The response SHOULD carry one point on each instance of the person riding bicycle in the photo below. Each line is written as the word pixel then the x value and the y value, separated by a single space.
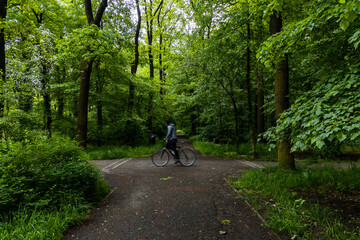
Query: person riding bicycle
pixel 171 139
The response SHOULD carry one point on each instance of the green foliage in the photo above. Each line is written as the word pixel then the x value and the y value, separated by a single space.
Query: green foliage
pixel 325 117
pixel 350 10
pixel 43 224
pixel 116 152
pixel 88 43
pixel 46 173
pixel 229 150
pixel 278 193
pixel 19 125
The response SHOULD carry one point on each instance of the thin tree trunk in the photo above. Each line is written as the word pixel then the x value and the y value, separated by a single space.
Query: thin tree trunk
pixel 260 118
pixel 248 85
pixel 81 130
pixel 3 11
pixel 130 137
pixel 161 70
pixel 236 116
pixel 44 82
pixel 47 100
pixel 60 107
pixel 285 158
pixel 60 98
pixel 135 63
pixel 221 130
pixel 149 26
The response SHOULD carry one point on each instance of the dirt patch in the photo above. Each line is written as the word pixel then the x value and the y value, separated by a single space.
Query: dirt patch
pixel 345 206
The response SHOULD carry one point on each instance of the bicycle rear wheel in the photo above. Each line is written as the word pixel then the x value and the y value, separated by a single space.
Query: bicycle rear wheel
pixel 187 157
pixel 160 157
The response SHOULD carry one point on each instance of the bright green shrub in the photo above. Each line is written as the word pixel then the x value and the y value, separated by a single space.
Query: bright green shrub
pixel 46 173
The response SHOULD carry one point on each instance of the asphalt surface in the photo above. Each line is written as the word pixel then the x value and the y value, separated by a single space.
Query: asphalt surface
pixel 172 202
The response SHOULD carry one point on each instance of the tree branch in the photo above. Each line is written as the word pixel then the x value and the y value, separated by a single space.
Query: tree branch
pixel 88 11
pixel 100 12
pixel 160 5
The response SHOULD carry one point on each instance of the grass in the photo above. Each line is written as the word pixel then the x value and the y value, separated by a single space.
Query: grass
pixel 277 194
pixel 42 224
pixel 229 150
pixel 116 152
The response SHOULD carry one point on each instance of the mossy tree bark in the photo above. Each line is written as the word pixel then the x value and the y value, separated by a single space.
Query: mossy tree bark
pixel 285 158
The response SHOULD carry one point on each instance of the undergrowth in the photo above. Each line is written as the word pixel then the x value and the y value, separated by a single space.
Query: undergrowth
pixel 229 150
pixel 277 194
pixel 43 224
pixel 46 185
pixel 115 152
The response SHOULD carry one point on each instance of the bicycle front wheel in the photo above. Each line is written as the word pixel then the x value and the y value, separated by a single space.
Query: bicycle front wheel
pixel 160 157
pixel 187 157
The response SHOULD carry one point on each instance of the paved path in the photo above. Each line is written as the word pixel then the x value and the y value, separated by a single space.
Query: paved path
pixel 189 205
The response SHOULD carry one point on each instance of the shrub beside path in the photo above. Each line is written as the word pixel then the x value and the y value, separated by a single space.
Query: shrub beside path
pixel 172 202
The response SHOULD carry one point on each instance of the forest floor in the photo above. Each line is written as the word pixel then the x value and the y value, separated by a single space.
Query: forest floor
pixel 175 202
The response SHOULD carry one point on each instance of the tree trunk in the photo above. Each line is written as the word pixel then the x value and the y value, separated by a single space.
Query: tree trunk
pixel 99 85
pixel 60 107
pixel 60 97
pixel 81 130
pixel 47 100
pixel 248 86
pixel 260 118
pixel 285 158
pixel 236 116
pixel 135 63
pixel 221 130
pixel 3 11
pixel 151 66
pixel 44 82
pixel 149 29
pixel 130 137
pixel 161 70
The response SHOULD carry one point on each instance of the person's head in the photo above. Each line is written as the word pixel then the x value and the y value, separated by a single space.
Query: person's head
pixel 167 122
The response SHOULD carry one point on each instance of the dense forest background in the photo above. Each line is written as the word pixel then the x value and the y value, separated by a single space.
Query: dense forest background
pixel 230 72
pixel 90 80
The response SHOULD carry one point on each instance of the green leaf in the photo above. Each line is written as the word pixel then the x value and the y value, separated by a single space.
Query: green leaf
pixel 341 137
pixel 320 144
pixel 351 16
pixel 354 136
pixel 344 24
pixel 342 1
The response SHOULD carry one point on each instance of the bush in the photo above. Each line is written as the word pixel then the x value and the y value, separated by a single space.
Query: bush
pixel 46 173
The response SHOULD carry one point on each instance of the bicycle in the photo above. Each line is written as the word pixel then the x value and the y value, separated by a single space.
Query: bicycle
pixel 161 156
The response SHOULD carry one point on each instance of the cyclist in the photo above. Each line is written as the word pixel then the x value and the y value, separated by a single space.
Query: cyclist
pixel 171 140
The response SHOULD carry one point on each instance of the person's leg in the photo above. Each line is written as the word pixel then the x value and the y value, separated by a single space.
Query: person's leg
pixel 175 150
pixel 172 146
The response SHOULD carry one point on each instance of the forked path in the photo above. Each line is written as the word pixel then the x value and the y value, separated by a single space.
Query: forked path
pixel 172 202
